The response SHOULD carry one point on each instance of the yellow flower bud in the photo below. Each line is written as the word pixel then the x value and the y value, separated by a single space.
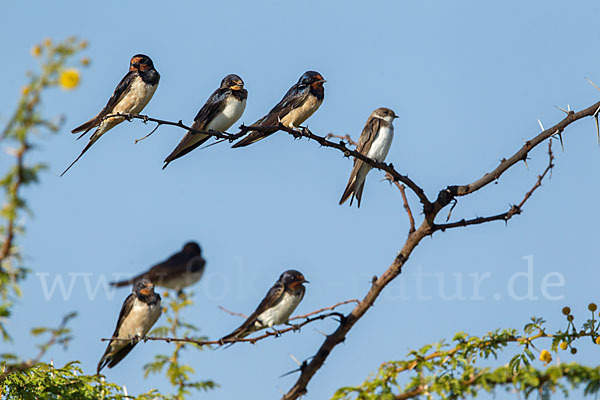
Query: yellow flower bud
pixel 36 51
pixel 598 340
pixel 47 42
pixel 563 345
pixel 69 78
pixel 84 44
pixel 25 90
pixel 85 61
pixel 545 357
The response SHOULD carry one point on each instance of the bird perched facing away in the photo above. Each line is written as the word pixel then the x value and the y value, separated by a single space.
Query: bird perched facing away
pixel 130 97
pixel 298 104
pixel 277 306
pixel 139 313
pixel 375 141
pixel 181 270
pixel 222 109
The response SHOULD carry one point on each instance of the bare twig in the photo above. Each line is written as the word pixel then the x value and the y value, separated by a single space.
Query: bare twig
pixel 514 209
pixel 402 190
pixel 237 314
pixel 445 196
pixel 345 137
pixel 320 310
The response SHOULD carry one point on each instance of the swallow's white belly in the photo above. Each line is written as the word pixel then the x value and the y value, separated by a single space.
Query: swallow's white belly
pixel 181 281
pixel 280 313
pixel 381 144
pixel 231 113
pixel 297 116
pixel 133 102
pixel 140 320
pixel 137 98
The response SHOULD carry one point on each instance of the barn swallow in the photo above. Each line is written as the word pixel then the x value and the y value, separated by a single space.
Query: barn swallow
pixel 298 104
pixel 140 311
pixel 277 306
pixel 222 109
pixel 130 97
pixel 181 270
pixel 375 141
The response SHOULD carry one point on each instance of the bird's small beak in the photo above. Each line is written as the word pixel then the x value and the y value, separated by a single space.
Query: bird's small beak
pixel 305 281
pixel 321 81
pixel 396 116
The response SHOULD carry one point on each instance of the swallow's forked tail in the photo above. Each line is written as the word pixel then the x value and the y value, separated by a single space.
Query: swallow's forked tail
pixel 87 147
pixel 348 191
pixel 87 126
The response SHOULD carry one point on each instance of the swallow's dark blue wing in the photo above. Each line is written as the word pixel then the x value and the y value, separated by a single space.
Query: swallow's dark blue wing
pixel 272 298
pixel 294 98
pixel 113 359
pixel 121 90
pixel 213 106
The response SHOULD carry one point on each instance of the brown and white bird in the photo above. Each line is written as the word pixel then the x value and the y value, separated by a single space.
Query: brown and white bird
pixel 130 97
pixel 277 306
pixel 222 109
pixel 179 271
pixel 139 313
pixel 298 104
pixel 375 141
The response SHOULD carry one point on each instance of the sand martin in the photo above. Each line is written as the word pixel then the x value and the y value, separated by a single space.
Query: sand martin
pixel 375 141
pixel 140 311
pixel 277 306
pixel 181 270
pixel 222 109
pixel 298 104
pixel 130 97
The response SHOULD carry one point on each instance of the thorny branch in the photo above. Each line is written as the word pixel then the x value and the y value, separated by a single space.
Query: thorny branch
pixel 179 124
pixel 514 209
pixel 303 132
pixel 308 318
pixel 427 227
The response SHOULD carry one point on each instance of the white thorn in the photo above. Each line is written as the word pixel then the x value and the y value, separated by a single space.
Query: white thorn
pixel 295 359
pixel 541 126
pixel 591 83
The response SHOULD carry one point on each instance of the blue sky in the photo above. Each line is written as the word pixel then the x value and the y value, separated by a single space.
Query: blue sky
pixel 469 81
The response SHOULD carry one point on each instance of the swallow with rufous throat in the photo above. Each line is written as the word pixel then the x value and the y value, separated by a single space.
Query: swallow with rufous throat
pixel 277 306
pixel 222 109
pixel 139 313
pixel 298 104
pixel 130 97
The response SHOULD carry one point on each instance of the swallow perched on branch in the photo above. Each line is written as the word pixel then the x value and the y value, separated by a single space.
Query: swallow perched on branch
pixel 139 313
pixel 181 270
pixel 130 97
pixel 277 306
pixel 222 109
pixel 298 104
pixel 375 141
